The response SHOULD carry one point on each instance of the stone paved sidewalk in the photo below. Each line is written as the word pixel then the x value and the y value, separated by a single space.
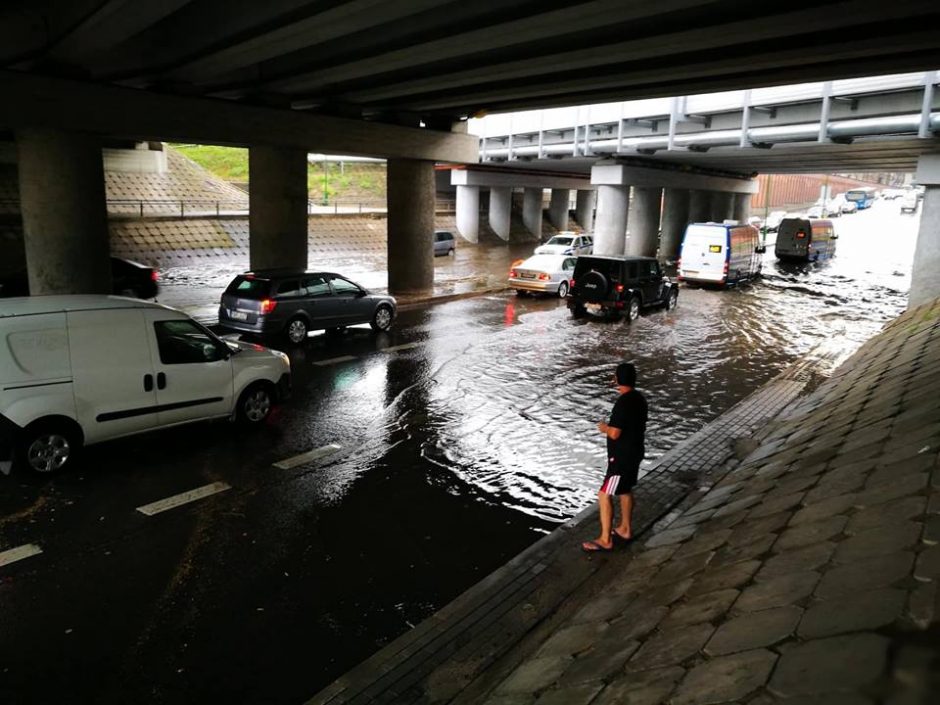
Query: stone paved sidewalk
pixel 808 575
pixel 438 659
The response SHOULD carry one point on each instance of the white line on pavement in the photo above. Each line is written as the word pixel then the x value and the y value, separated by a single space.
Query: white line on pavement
pixel 403 346
pixel 314 454
pixel 333 360
pixel 184 498
pixel 19 553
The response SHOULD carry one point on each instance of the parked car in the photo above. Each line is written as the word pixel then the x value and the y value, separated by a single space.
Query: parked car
pixel 128 278
pixel 849 207
pixel 834 206
pixel 805 240
pixel 816 212
pixel 444 243
pixel 720 254
pixel 614 285
pixel 909 202
pixel 567 244
pixel 292 303
pixel 79 370
pixel 543 274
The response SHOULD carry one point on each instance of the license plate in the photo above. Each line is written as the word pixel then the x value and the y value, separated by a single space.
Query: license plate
pixel 237 315
pixel 594 308
pixel 528 276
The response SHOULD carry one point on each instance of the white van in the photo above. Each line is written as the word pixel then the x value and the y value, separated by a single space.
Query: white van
pixel 716 253
pixel 78 370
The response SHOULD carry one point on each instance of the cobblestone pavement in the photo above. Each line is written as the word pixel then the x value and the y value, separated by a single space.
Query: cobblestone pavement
pixel 438 659
pixel 808 574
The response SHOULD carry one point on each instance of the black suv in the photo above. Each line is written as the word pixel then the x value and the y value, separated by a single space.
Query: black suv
pixel 614 285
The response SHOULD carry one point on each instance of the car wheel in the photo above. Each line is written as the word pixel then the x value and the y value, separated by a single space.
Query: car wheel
pixel 48 447
pixel 633 309
pixel 562 290
pixel 382 318
pixel 255 404
pixel 451 252
pixel 672 300
pixel 296 330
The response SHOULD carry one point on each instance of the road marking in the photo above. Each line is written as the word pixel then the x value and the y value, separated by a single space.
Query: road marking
pixel 184 498
pixel 19 553
pixel 314 454
pixel 403 346
pixel 334 360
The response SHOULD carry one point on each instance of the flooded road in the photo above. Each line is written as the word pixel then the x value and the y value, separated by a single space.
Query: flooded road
pixel 464 434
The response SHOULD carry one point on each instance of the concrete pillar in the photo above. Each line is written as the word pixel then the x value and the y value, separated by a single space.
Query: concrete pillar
pixel 610 225
pixel 584 210
pixel 277 215
pixel 500 210
pixel 468 212
pixel 558 208
pixel 925 277
pixel 700 206
pixel 675 218
pixel 410 226
pixel 644 221
pixel 64 211
pixel 532 211
pixel 722 206
pixel 742 207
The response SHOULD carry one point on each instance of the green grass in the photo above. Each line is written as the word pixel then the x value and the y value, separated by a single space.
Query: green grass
pixel 229 163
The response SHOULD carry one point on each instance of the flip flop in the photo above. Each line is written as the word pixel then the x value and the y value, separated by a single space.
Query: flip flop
pixel 594 547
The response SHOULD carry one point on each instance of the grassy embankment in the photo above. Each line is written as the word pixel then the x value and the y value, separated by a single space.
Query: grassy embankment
pixel 349 182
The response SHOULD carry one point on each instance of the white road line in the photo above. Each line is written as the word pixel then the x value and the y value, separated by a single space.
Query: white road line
pixel 184 498
pixel 404 346
pixel 310 455
pixel 19 553
pixel 333 360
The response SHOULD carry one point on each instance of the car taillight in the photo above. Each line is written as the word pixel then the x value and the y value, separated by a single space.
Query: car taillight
pixel 619 288
pixel 572 283
pixel 544 277
pixel 513 274
pixel 267 305
pixel 726 268
pixel 154 275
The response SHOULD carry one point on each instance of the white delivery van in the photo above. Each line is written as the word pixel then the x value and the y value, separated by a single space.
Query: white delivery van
pixel 78 370
pixel 720 253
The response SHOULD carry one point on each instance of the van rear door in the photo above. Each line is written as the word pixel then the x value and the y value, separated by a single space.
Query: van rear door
pixel 193 369
pixel 704 253
pixel 112 373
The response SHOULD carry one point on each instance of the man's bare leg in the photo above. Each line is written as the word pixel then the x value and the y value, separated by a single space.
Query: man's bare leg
pixel 625 528
pixel 606 505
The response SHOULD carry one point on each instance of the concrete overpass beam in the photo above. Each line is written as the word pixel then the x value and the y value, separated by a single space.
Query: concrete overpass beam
pixel 277 215
pixel 700 206
pixel 501 210
pixel 64 211
pixel 925 278
pixel 722 206
pixel 410 226
pixel 532 211
pixel 644 222
pixel 742 207
pixel 558 208
pixel 610 226
pixel 584 210
pixel 675 218
pixel 468 212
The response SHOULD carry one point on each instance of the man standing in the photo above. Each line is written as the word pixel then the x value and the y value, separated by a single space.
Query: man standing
pixel 625 434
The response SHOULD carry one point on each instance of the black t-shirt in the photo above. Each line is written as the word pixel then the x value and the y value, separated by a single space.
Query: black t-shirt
pixel 629 415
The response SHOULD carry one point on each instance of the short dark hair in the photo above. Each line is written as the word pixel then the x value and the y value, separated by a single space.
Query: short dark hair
pixel 626 374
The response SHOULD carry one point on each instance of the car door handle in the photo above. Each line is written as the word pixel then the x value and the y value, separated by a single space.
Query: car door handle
pixel 161 380
pixel 148 383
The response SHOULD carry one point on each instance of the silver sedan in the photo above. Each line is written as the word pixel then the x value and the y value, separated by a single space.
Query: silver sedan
pixel 544 274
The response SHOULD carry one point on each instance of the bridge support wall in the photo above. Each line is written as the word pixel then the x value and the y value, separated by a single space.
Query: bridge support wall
pixel 410 226
pixel 644 224
pixel 722 206
pixel 584 212
pixel 558 208
pixel 742 207
pixel 610 226
pixel 925 278
pixel 277 216
pixel 500 210
pixel 675 218
pixel 468 212
pixel 532 211
pixel 700 206
pixel 65 221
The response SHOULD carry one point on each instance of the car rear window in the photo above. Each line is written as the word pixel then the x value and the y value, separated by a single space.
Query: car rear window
pixel 249 287
pixel 604 266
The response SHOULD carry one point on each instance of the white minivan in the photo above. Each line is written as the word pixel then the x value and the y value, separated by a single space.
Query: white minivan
pixel 78 370
pixel 720 253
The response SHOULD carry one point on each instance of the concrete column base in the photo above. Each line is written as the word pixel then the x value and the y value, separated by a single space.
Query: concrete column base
pixel 500 216
pixel 277 215
pixel 64 212
pixel 925 277
pixel 700 206
pixel 558 208
pixel 675 218
pixel 584 211
pixel 722 206
pixel 532 211
pixel 610 225
pixel 742 207
pixel 644 222
pixel 410 226
pixel 468 212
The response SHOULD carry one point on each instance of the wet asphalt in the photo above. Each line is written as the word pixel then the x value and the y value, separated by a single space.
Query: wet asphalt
pixel 464 434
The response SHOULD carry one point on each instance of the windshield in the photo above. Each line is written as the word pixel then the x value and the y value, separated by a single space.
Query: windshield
pixel 560 241
pixel 857 195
